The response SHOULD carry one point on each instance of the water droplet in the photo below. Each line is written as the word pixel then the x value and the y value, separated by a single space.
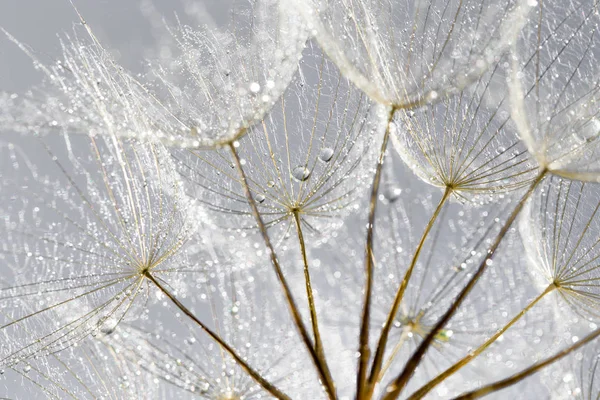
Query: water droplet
pixel 254 87
pixel 27 369
pixel 301 173
pixel 107 330
pixel 271 184
pixel 326 154
pixel 260 197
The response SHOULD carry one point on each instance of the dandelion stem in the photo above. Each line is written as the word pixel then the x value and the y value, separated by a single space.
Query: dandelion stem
pixel 311 300
pixel 516 378
pixel 329 386
pixel 381 345
pixel 238 359
pixel 393 390
pixel 364 350
pixel 395 351
pixel 464 361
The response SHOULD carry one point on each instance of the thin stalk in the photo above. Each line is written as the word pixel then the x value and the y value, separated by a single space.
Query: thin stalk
pixel 311 300
pixel 395 351
pixel 327 383
pixel 393 390
pixel 381 345
pixel 464 361
pixel 518 377
pixel 364 351
pixel 238 359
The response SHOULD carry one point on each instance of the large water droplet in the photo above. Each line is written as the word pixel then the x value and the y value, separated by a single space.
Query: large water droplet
pixel 260 197
pixel 326 154
pixel 254 87
pixel 301 173
pixel 392 193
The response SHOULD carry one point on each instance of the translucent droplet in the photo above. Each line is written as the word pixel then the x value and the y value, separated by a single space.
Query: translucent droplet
pixel 326 154
pixel 254 87
pixel 27 368
pixel 393 193
pixel 204 386
pixel 260 197
pixel 107 330
pixel 271 184
pixel 301 173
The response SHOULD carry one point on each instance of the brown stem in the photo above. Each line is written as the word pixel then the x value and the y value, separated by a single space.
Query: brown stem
pixel 328 384
pixel 518 377
pixel 394 388
pixel 464 361
pixel 403 337
pixel 364 351
pixel 311 300
pixel 238 359
pixel 381 345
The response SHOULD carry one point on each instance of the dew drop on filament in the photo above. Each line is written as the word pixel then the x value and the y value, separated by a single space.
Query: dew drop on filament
pixel 326 154
pixel 260 198
pixel 254 87
pixel 301 173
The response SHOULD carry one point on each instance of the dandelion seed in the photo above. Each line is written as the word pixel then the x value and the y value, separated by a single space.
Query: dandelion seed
pixel 554 88
pixel 310 163
pixel 81 238
pixel 560 231
pixel 180 103
pixel 413 52
pixel 466 144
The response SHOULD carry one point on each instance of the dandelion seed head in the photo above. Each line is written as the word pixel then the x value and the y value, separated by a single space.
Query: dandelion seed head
pixel 554 88
pixel 466 144
pixel 92 226
pixel 559 229
pixel 409 52
pixel 307 158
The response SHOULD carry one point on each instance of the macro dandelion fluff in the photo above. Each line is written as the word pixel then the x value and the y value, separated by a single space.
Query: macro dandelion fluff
pixel 232 223
pixel 464 144
pixel 224 81
pixel 221 83
pixel 306 161
pixel 87 371
pixel 95 265
pixel 560 230
pixel 200 368
pixel 82 239
pixel 577 376
pixel 458 243
pixel 554 88
pixel 304 165
pixel 413 51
